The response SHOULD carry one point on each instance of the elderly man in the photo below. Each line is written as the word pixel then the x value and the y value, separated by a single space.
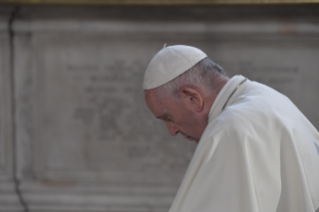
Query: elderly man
pixel 256 151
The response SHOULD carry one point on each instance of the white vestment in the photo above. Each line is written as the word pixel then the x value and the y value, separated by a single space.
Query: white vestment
pixel 259 154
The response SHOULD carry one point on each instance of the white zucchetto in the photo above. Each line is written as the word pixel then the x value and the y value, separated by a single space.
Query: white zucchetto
pixel 169 63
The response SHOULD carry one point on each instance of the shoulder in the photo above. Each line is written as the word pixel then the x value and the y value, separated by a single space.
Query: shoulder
pixel 226 126
pixel 243 120
pixel 259 110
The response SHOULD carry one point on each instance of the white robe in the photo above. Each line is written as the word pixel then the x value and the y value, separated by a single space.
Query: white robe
pixel 259 154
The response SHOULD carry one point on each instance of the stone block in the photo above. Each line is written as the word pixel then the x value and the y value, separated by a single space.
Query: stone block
pixel 86 140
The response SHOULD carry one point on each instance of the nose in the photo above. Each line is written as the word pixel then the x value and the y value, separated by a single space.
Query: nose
pixel 172 129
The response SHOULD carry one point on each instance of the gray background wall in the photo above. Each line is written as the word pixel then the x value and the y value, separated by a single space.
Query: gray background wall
pixel 75 133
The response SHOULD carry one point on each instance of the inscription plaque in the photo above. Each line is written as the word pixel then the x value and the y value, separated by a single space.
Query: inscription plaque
pixel 92 120
pixel 85 140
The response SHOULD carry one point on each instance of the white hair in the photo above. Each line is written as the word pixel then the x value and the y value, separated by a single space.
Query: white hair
pixel 205 74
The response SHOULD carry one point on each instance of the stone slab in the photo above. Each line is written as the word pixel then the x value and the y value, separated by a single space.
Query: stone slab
pixel 5 108
pixel 90 120
pixel 86 140
pixel 9 201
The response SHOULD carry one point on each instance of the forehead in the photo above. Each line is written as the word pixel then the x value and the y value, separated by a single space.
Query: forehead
pixel 152 99
pixel 156 103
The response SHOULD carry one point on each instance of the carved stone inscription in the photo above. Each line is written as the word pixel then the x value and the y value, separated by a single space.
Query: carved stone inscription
pixel 93 119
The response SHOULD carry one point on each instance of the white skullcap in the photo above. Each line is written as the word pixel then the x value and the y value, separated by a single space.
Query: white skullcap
pixel 169 63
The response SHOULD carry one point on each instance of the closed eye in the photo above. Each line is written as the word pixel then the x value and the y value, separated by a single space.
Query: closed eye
pixel 164 117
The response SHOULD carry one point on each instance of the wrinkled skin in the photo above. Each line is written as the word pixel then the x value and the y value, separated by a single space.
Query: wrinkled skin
pixel 187 114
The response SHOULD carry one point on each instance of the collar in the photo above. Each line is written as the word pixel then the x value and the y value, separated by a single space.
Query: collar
pixel 226 95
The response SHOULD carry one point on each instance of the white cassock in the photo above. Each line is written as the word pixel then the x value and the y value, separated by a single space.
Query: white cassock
pixel 259 154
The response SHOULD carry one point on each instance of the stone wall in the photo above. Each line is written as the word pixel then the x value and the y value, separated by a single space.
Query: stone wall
pixel 75 130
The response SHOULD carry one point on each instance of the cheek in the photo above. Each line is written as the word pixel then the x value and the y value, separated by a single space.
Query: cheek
pixel 195 125
pixel 189 122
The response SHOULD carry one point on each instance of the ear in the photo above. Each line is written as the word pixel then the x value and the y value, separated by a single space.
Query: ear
pixel 192 98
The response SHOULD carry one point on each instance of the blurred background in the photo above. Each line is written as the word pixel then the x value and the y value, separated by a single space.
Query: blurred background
pixel 75 132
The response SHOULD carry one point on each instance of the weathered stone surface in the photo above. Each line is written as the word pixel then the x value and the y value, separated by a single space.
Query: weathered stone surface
pixel 8 198
pixel 5 106
pixel 5 97
pixel 91 121
pixel 86 140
